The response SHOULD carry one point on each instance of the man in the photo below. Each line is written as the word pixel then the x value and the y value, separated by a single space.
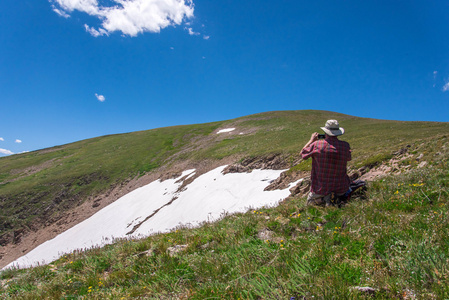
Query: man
pixel 329 160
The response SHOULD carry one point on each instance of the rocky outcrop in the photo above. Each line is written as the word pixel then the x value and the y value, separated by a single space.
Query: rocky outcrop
pixel 272 161
pixel 288 177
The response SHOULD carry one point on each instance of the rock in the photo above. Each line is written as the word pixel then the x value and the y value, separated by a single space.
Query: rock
pixel 5 239
pixel 205 246
pixel 235 169
pixel 354 175
pixel 18 234
pixel 170 175
pixel 409 294
pixel 365 289
pixel 363 170
pixel 149 252
pixel 265 234
pixel 4 284
pixel 403 150
pixel 176 249
pixel 422 164
pixel 272 161
pixel 419 157
pixel 301 188
pixel 285 179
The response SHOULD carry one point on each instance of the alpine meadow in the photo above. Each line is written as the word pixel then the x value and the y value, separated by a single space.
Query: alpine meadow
pixel 389 241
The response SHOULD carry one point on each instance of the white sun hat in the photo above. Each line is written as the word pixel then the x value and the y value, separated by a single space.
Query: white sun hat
pixel 332 128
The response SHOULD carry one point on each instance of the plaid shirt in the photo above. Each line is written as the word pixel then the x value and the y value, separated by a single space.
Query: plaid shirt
pixel 329 159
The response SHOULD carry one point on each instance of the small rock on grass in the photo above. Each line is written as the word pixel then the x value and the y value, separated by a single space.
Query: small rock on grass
pixel 365 289
pixel 175 249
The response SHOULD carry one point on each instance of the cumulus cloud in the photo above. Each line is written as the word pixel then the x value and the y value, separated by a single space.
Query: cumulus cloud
pixel 18 141
pixel 100 98
pixel 7 152
pixel 206 37
pixel 130 17
pixel 2 139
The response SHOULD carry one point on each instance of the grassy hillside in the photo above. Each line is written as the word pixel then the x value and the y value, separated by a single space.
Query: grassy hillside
pixel 36 187
pixel 394 243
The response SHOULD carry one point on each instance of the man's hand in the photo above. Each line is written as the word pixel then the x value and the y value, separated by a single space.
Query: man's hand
pixel 313 138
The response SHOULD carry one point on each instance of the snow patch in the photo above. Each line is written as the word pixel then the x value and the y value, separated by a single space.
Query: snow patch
pixel 295 183
pixel 161 207
pixel 225 130
pixel 190 173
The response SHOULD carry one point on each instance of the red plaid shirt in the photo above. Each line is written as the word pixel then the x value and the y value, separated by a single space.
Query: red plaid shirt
pixel 329 159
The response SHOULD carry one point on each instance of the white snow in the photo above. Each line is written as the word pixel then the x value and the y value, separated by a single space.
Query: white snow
pixel 226 130
pixel 205 199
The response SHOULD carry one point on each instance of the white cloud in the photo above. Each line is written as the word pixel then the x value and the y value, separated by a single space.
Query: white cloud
pixel 100 98
pixel 206 37
pixel 94 32
pixel 191 32
pixel 60 12
pixel 2 139
pixel 435 73
pixel 446 87
pixel 131 17
pixel 7 152
pixel 68 6
pixel 18 141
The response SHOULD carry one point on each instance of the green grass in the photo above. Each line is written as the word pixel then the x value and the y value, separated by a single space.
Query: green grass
pixel 375 160
pixel 36 188
pixel 395 242
pixel 64 176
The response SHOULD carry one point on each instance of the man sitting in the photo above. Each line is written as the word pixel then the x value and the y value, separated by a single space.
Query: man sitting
pixel 329 160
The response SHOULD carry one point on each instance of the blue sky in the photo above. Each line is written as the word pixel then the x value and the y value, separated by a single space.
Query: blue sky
pixel 75 69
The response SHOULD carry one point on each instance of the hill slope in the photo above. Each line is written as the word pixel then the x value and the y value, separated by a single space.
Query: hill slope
pixel 391 245
pixel 53 189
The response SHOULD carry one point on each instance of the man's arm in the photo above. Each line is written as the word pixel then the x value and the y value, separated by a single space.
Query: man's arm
pixel 313 138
